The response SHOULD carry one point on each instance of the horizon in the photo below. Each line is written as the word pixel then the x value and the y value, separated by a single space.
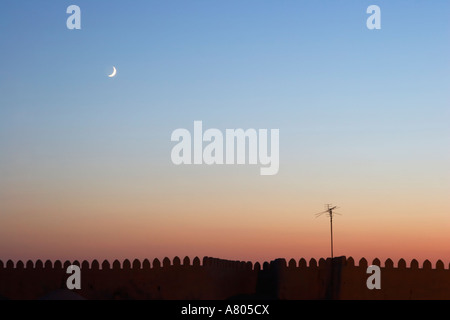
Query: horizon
pixel 85 161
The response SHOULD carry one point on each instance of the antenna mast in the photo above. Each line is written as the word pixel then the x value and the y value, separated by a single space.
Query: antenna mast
pixel 330 212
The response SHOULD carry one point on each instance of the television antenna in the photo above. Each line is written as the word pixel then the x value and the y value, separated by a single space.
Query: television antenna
pixel 329 212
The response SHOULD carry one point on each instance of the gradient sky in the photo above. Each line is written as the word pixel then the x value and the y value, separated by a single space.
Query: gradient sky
pixel 85 168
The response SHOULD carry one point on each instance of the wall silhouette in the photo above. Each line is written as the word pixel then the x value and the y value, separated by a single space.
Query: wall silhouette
pixel 213 278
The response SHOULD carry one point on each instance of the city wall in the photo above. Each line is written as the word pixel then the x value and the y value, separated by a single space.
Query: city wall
pixel 212 278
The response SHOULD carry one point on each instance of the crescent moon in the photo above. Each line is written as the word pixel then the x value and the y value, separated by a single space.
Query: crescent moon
pixel 114 72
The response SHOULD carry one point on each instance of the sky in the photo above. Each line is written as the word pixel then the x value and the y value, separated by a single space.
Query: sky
pixel 85 160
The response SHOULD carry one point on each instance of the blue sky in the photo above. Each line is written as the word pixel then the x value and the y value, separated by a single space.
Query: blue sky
pixel 306 67
pixel 211 59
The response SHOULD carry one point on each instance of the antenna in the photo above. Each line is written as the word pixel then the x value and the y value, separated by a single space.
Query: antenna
pixel 329 212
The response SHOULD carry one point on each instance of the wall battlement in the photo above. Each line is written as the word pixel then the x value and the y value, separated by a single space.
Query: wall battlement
pixel 208 261
pixel 212 278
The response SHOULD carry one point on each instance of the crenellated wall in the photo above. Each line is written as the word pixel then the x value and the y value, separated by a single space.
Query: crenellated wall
pixel 213 278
